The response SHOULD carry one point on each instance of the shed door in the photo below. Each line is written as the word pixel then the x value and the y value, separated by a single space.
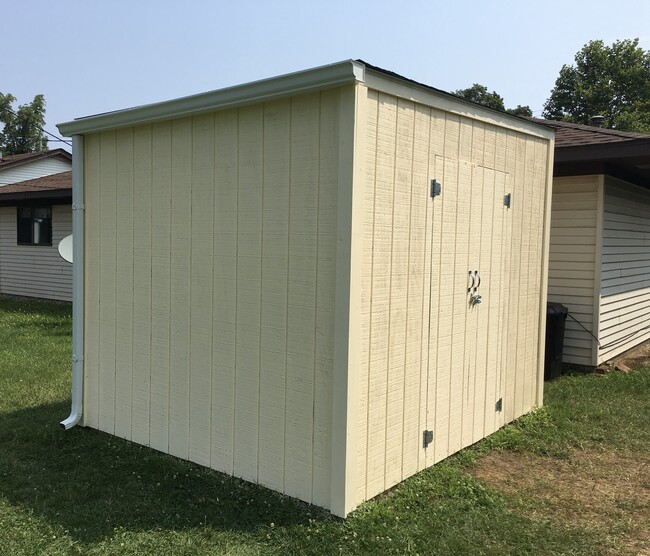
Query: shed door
pixel 468 256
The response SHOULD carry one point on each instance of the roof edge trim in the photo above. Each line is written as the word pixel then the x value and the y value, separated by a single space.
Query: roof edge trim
pixel 329 76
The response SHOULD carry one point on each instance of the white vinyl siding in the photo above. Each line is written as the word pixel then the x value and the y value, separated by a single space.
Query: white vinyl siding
pixel 625 279
pixel 32 170
pixel 573 259
pixel 35 270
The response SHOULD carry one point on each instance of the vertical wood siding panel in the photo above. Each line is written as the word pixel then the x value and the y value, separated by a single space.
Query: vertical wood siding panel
pixel 161 199
pixel 460 362
pixel 444 233
pixel 107 294
pixel 482 223
pixel 180 328
pixel 225 289
pixel 249 288
pixel 414 419
pixel 301 314
pixel 275 245
pixel 124 285
pixel 201 294
pixel 325 296
pixel 510 304
pixel 397 339
pixel 366 299
pixel 92 278
pixel 380 316
pixel 433 353
pixel 142 200
pixel 494 335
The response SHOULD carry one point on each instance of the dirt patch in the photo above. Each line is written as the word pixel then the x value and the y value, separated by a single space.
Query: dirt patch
pixel 635 358
pixel 604 491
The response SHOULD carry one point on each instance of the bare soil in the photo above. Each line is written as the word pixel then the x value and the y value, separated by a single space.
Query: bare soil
pixel 608 492
pixel 638 356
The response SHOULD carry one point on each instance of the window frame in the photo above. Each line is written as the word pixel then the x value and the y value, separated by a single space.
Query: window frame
pixel 20 230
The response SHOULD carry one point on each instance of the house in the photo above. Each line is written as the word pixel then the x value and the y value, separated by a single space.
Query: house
pixel 600 240
pixel 35 214
pixel 322 282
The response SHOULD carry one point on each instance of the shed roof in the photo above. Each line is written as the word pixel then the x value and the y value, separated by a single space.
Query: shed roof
pixel 55 186
pixel 583 149
pixel 10 161
pixel 320 78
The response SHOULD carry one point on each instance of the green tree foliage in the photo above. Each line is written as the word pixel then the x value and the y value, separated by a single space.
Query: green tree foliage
pixel 610 81
pixel 22 131
pixel 479 94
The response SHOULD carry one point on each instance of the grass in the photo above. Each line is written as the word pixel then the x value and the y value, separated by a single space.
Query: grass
pixel 85 492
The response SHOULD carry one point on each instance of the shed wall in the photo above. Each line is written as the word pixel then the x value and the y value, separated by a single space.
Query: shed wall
pixel 428 361
pixel 210 289
pixel 35 270
pixel 625 279
pixel 573 260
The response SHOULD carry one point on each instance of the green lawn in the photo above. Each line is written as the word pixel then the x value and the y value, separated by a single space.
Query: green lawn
pixel 85 492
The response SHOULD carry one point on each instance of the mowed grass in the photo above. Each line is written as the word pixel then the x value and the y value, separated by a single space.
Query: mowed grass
pixel 85 492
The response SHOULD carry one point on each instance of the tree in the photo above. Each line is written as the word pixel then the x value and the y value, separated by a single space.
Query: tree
pixel 479 94
pixel 610 81
pixel 22 131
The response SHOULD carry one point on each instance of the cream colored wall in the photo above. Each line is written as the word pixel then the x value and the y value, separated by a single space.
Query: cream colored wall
pixel 625 279
pixel 573 260
pixel 35 270
pixel 210 289
pixel 429 361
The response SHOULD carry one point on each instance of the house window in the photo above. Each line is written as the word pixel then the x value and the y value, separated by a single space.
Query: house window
pixel 34 225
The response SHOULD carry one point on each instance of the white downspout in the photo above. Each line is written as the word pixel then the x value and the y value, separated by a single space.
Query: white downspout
pixel 77 282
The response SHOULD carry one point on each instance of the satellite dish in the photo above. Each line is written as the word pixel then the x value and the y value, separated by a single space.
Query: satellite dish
pixel 65 248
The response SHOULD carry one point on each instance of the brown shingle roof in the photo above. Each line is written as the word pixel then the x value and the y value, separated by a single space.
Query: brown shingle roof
pixel 60 181
pixel 16 159
pixel 574 135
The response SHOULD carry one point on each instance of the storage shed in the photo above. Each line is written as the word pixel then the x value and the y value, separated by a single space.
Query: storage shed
pixel 323 282
pixel 600 240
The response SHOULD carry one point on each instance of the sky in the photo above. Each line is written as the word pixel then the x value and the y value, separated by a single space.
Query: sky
pixel 89 57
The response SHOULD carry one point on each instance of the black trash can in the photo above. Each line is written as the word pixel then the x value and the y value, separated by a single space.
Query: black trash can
pixel 556 314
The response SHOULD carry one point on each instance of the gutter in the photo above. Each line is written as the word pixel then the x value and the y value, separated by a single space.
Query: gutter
pixel 76 410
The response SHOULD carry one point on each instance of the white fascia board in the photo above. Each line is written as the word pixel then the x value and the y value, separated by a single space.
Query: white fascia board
pixel 447 102
pixel 324 77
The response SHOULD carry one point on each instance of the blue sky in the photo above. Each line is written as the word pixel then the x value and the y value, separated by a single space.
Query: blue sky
pixel 88 57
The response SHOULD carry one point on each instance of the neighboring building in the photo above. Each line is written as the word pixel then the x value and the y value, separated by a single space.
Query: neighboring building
pixel 271 288
pixel 35 214
pixel 600 240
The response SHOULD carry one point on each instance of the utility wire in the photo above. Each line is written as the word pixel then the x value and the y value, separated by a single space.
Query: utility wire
pixel 57 138
pixel 586 329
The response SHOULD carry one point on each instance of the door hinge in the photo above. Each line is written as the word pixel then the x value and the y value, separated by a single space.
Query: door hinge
pixel 499 405
pixel 427 438
pixel 507 199
pixel 436 188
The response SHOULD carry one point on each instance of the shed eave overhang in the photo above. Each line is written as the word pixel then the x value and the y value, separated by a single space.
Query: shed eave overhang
pixel 320 78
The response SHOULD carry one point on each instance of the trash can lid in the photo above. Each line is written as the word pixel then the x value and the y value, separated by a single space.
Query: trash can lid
pixel 553 308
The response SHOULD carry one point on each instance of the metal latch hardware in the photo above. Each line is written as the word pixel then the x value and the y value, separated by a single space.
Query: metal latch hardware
pixel 427 438
pixel 507 199
pixel 436 188
pixel 499 405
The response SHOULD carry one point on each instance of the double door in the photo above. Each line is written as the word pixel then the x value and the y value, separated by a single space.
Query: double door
pixel 469 271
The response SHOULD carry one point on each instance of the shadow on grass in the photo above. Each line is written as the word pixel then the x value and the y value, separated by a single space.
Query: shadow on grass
pixel 92 484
